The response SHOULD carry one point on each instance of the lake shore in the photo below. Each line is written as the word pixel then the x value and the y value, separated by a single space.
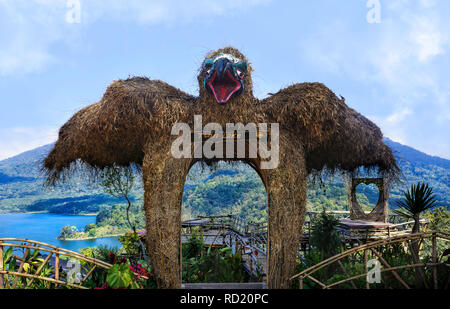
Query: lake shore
pixel 46 227
pixel 45 212
pixel 89 237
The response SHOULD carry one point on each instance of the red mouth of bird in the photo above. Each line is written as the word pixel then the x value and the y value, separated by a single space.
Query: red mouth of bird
pixel 223 89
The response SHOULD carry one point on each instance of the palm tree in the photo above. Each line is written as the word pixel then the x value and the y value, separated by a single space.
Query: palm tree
pixel 418 199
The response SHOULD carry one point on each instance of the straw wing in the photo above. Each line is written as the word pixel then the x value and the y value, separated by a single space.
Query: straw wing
pixel 334 135
pixel 117 128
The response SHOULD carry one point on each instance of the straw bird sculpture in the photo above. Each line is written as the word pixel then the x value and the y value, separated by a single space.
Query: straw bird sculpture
pixel 132 123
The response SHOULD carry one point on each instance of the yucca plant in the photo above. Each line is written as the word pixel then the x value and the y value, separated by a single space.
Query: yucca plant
pixel 417 199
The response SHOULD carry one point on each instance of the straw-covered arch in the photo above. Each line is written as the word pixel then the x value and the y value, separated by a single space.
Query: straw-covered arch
pixel 132 124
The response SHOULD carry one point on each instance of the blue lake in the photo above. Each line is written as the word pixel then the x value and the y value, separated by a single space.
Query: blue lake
pixel 46 227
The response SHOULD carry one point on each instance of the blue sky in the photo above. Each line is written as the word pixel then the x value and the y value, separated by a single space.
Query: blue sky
pixel 394 72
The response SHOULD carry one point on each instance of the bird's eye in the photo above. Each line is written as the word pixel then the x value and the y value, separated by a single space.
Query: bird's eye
pixel 240 74
pixel 242 66
pixel 208 64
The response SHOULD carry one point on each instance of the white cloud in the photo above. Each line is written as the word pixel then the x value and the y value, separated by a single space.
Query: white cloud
pixel 19 139
pixel 405 48
pixel 393 124
pixel 401 61
pixel 29 28
pixel 156 11
pixel 13 60
pixel 428 38
pixel 407 64
pixel 398 116
pixel 32 27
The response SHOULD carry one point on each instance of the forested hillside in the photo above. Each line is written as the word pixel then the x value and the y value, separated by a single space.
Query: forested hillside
pixel 22 190
pixel 228 188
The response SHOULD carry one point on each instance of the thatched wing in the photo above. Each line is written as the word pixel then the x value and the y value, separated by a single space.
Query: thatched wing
pixel 116 129
pixel 334 135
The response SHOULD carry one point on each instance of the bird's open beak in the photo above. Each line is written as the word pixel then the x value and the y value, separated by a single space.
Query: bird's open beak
pixel 222 81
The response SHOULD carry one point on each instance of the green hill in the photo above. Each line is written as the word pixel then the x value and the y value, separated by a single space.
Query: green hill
pixel 22 190
pixel 228 188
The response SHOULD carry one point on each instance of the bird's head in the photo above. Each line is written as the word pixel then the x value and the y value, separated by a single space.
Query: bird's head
pixel 225 75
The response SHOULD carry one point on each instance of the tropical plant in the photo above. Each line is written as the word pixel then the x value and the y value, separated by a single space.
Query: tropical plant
pixel 324 235
pixel 417 200
pixel 194 246
pixel 216 265
pixel 210 265
pixel 143 272
pixel 124 274
pixel 32 262
pixel 133 245
pixel 325 242
pixel 121 276
pixel 102 252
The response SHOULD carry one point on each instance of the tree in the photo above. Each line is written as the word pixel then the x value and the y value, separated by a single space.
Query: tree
pixel 89 227
pixel 417 200
pixel 118 182
pixel 67 231
pixel 439 219
pixel 325 236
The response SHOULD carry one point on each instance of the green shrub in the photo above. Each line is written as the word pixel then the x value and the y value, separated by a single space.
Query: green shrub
pixel 215 265
pixel 120 276
pixel 325 237
pixel 439 219
pixel 193 247
pixel 211 265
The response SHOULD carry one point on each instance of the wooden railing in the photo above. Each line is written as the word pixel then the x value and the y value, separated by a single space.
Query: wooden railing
pixel 248 238
pixel 370 250
pixel 251 238
pixel 344 214
pixel 22 271
pixel 245 227
pixel 235 223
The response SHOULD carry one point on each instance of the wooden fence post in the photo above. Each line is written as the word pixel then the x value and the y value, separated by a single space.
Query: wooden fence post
pixel 2 285
pixel 56 268
pixel 434 257
pixel 366 252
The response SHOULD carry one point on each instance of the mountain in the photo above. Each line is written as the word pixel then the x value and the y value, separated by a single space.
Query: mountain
pixel 226 188
pixel 417 166
pixel 27 159
pixel 406 153
pixel 22 188
pixel 4 179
